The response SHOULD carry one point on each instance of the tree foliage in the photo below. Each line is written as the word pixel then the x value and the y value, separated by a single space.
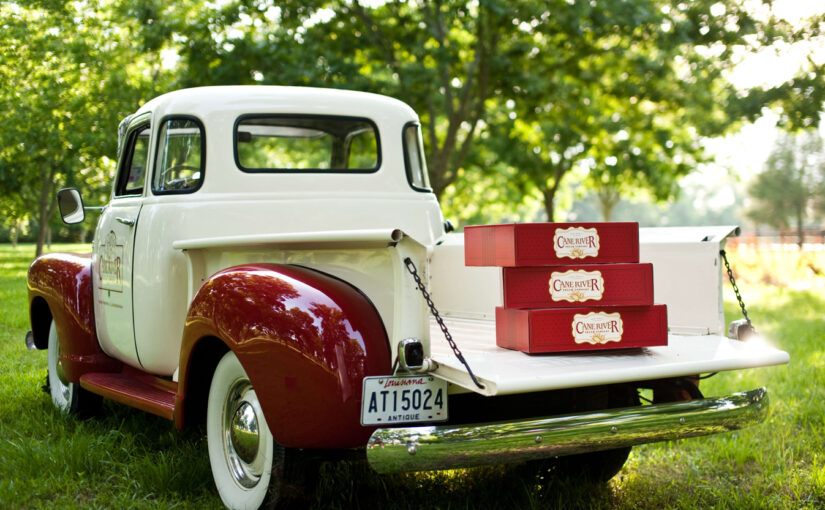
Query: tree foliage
pixel 72 77
pixel 514 96
pixel 623 90
pixel 789 191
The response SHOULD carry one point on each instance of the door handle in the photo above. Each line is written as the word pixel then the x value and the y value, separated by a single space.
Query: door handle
pixel 126 221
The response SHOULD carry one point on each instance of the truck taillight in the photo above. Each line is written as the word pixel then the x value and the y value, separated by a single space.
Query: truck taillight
pixel 410 354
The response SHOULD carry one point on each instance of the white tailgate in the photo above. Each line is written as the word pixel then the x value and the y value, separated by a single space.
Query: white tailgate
pixel 505 371
pixel 688 275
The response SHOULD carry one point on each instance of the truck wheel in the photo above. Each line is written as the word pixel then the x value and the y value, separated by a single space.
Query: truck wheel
pixel 247 463
pixel 598 466
pixel 67 396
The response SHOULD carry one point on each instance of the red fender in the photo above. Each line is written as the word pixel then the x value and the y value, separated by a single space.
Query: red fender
pixel 60 289
pixel 306 340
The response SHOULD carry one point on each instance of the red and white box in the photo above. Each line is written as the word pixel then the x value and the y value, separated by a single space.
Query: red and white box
pixel 581 329
pixel 548 244
pixel 577 286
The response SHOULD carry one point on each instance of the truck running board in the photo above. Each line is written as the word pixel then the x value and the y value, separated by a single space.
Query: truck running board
pixel 134 388
pixel 425 448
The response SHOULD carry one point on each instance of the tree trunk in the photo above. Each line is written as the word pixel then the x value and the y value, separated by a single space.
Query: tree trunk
pixel 41 237
pixel 439 180
pixel 42 221
pixel 549 192
pixel 45 210
pixel 549 197
pixel 800 234
pixel 15 233
pixel 608 200
pixel 607 211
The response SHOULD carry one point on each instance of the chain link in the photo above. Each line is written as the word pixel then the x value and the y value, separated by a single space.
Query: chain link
pixel 736 289
pixel 420 285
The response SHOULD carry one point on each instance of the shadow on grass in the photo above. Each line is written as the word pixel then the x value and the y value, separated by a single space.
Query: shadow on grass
pixel 346 485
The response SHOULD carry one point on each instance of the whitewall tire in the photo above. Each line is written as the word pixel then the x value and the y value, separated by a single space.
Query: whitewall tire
pixel 67 396
pixel 247 463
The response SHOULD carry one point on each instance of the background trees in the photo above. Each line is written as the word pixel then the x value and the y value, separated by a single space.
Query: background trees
pixel 791 188
pixel 515 97
pixel 67 78
pixel 622 91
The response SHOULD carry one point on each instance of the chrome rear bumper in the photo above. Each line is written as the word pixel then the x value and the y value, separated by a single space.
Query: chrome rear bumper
pixel 425 448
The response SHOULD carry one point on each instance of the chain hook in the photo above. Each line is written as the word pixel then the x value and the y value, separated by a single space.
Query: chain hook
pixel 736 289
pixel 414 272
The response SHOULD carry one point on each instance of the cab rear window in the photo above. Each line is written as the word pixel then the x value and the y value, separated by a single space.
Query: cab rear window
pixel 279 143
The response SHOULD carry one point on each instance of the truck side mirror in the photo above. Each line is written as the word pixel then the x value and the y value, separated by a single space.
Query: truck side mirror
pixel 71 206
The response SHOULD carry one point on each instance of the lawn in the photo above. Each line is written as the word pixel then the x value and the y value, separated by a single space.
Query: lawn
pixel 128 459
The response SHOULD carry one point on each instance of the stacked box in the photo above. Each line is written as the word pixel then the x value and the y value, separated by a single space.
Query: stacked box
pixel 570 286
pixel 538 330
pixel 547 244
pixel 578 285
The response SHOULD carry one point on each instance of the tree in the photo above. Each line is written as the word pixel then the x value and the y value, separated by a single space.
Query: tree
pixel 623 89
pixel 448 59
pixel 628 103
pixel 788 190
pixel 12 214
pixel 72 79
pixel 518 93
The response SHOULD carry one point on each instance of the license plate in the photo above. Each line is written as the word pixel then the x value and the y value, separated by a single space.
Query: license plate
pixel 403 399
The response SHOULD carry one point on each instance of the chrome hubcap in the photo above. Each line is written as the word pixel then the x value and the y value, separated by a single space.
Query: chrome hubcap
pixel 243 432
pixel 244 445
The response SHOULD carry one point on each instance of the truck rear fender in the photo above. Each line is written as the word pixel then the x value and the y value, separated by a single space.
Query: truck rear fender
pixel 60 289
pixel 306 340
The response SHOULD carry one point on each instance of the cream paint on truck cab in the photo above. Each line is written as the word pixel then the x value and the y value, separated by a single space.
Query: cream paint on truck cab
pixel 232 204
pixel 113 248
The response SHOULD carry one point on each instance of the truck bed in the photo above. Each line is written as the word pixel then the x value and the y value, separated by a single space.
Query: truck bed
pixel 504 371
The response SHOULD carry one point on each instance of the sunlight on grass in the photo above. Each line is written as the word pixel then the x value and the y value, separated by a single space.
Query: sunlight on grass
pixel 784 266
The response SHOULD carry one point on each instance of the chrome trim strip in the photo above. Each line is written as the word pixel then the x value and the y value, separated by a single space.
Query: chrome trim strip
pixel 424 448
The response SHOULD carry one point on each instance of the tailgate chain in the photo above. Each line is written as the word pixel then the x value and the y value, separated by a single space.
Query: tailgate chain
pixel 414 272
pixel 736 289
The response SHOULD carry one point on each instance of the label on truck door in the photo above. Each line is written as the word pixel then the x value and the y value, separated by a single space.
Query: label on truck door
pixel 403 399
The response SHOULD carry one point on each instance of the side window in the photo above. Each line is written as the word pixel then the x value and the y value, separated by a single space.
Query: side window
pixel 179 167
pixel 135 158
pixel 414 158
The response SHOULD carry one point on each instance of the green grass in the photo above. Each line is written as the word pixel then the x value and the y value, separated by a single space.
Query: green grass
pixel 129 459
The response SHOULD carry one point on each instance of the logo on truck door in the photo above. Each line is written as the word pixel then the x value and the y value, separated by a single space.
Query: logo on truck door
pixel 111 263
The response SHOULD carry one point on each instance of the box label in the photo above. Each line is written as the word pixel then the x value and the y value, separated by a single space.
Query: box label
pixel 576 242
pixel 597 328
pixel 576 286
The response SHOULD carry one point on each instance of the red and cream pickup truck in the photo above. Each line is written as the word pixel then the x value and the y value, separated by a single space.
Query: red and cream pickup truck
pixel 267 263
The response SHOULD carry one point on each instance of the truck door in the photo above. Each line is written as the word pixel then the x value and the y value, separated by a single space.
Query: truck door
pixel 114 247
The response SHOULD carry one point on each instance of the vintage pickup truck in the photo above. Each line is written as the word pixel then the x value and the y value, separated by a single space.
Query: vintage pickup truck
pixel 266 263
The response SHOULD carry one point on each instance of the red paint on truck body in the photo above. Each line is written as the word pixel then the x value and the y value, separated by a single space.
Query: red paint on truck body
pixel 64 282
pixel 306 340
